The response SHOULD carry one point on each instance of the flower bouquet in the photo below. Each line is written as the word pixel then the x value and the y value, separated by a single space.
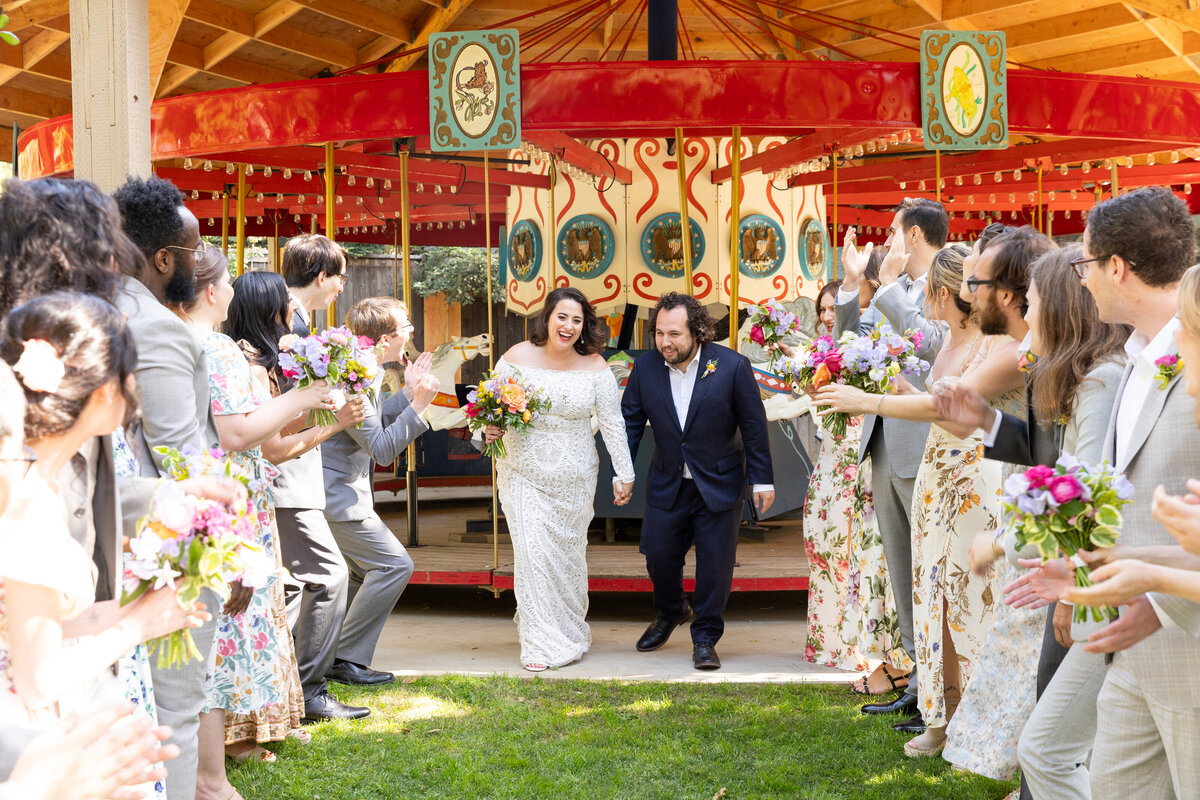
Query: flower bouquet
pixel 769 324
pixel 867 362
pixel 203 542
pixel 335 355
pixel 507 403
pixel 1067 508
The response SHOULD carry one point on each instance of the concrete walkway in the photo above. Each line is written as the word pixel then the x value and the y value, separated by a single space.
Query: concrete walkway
pixel 437 630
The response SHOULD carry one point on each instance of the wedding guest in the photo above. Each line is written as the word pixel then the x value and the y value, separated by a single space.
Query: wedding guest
pixel 697 487
pixel 379 565
pixel 259 316
pixel 172 389
pixel 317 594
pixel 74 358
pixel 918 231
pixel 547 479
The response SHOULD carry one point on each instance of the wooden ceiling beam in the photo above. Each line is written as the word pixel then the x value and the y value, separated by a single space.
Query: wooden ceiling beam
pixel 435 20
pixel 34 12
pixel 266 26
pixel 377 49
pixel 363 16
pixel 1102 58
pixel 32 104
pixel 1169 10
pixel 25 56
pixel 165 17
pixel 232 68
pixel 1170 33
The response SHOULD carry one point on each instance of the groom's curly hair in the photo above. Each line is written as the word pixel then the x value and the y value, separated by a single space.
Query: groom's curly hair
pixel 699 322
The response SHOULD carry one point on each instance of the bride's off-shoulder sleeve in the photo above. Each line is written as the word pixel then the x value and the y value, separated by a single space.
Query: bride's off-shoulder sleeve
pixel 612 425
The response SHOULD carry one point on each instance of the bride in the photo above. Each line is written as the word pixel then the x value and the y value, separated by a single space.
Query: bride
pixel 547 481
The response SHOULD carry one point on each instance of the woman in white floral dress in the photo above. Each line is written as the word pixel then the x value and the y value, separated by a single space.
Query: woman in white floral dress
pixel 547 481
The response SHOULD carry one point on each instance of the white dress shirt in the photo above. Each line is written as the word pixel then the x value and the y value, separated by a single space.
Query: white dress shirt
pixel 916 291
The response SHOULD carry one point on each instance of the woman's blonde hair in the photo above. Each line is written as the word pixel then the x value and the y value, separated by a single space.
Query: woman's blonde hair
pixel 374 317
pixel 1189 301
pixel 946 272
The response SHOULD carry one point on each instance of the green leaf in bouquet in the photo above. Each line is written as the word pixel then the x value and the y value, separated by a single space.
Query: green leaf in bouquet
pixel 189 591
pixel 1058 524
pixel 1072 508
pixel 1108 517
pixel 142 588
pixel 1104 536
pixel 210 562
pixel 1048 548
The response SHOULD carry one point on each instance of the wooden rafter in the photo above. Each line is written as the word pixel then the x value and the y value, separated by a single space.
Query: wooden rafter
pixel 23 13
pixel 32 104
pixel 165 16
pixel 435 21
pixel 30 52
pixel 1170 33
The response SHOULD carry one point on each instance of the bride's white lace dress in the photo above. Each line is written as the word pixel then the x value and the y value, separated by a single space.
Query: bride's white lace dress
pixel 547 485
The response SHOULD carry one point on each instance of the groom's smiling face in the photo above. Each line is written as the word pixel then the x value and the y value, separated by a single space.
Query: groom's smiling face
pixel 673 336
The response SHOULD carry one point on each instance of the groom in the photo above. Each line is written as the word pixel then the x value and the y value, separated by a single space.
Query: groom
pixel 702 401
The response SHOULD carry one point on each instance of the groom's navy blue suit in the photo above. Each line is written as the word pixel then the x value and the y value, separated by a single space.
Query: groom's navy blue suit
pixel 723 442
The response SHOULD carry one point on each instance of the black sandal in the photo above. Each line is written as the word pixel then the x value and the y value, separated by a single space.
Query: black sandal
pixel 892 679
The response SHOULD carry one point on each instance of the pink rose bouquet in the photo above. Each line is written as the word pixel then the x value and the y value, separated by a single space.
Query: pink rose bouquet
pixel 770 323
pixel 336 355
pixel 1067 508
pixel 506 402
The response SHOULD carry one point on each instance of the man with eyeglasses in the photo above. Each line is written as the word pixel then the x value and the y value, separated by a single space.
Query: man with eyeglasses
pixel 172 387
pixel 919 229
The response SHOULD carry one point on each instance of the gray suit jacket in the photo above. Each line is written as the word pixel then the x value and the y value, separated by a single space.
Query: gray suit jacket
pixel 905 440
pixel 300 483
pixel 349 456
pixel 1164 449
pixel 172 380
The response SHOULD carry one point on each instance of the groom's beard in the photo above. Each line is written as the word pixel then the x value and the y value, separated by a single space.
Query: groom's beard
pixel 678 356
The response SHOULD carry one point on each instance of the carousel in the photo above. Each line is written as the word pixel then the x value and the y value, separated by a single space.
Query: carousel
pixel 732 180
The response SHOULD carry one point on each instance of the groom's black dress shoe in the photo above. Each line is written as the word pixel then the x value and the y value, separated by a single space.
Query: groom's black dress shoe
pixel 357 674
pixel 905 702
pixel 911 725
pixel 704 656
pixel 660 630
pixel 326 706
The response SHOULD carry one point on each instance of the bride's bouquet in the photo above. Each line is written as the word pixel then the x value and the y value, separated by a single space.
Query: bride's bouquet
pixel 868 362
pixel 335 355
pixel 202 542
pixel 769 324
pixel 506 402
pixel 1067 508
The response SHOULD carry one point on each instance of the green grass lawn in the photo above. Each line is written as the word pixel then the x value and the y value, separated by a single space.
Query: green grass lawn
pixel 462 737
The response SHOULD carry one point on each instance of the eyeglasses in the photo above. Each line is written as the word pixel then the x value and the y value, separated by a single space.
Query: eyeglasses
pixel 1081 268
pixel 975 283
pixel 29 457
pixel 341 277
pixel 198 251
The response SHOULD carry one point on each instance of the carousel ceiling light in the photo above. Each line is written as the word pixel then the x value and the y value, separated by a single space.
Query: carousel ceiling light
pixel 267 172
pixel 1064 169
pixel 1030 197
pixel 902 185
pixel 1128 161
pixel 1150 159
pixel 439 225
pixel 871 146
pixel 297 219
pixel 1174 156
pixel 195 194
pixel 358 201
pixel 207 165
pixel 287 173
pixel 346 216
pixel 1051 196
pixel 437 189
pixel 921 186
pixel 337 199
pixel 1087 167
pixel 453 189
pixel 894 139
pixel 229 169
pixel 211 222
pixel 977 179
pixel 216 195
pixel 462 225
pixel 858 151
pixel 992 199
pixel 279 198
pixel 370 182
pixel 249 170
pixel 1012 215
pixel 350 181
pixel 958 180
pixel 1187 187
pixel 396 214
pixel 1067 214
pixel 472 220
pixel 1074 194
pixel 996 178
pixel 258 220
pixel 1108 163
pixel 906 136
pixel 420 187
pixel 187 163
pixel 387 185
pixel 308 174
pixel 1016 174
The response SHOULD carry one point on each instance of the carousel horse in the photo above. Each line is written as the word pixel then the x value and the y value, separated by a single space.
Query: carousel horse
pixel 444 412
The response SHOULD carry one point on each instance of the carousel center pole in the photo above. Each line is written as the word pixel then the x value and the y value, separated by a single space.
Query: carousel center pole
pixel 225 223
pixel 410 454
pixel 487 237
pixel 241 220
pixel 1039 214
pixel 685 219
pixel 735 221
pixel 330 224
pixel 937 179
pixel 834 238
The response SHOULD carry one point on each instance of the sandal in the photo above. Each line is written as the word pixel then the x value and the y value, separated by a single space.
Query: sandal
pixel 862 685
pixel 300 735
pixel 535 666
pixel 929 743
pixel 255 753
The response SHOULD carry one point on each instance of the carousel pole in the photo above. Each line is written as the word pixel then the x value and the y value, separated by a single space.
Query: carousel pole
pixel 410 454
pixel 937 180
pixel 275 245
pixel 330 224
pixel 241 220
pixel 1039 214
pixel 684 218
pixel 225 223
pixel 1112 171
pixel 833 238
pixel 487 233
pixel 553 233
pixel 735 220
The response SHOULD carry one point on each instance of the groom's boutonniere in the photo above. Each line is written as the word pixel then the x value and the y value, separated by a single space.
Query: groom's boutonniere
pixel 1168 368
pixel 710 368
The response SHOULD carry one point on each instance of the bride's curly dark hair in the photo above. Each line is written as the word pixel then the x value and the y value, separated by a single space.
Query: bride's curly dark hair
pixel 593 338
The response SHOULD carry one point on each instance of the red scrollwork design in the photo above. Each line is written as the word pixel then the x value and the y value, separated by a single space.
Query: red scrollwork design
pixel 541 285
pixel 607 144
pixel 643 280
pixel 570 200
pixel 692 148
pixel 610 282
pixel 702 279
pixel 779 282
pixel 517 214
pixel 561 281
pixel 637 156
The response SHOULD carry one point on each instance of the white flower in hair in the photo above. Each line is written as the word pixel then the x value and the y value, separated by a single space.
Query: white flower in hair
pixel 39 366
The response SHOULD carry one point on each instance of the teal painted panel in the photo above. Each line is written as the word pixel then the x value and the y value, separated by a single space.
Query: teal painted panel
pixel 474 91
pixel 964 90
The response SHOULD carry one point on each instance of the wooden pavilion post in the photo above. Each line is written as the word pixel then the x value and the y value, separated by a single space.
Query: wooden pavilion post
pixel 410 454
pixel 685 219
pixel 734 237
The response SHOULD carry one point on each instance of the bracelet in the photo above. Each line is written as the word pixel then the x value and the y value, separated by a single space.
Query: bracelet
pixel 879 405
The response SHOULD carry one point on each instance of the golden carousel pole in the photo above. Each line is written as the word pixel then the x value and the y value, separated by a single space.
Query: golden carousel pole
pixel 937 180
pixel 735 220
pixel 1039 213
pixel 330 223
pixel 685 219
pixel 833 239
pixel 553 241
pixel 241 220
pixel 410 457
pixel 487 232
pixel 225 223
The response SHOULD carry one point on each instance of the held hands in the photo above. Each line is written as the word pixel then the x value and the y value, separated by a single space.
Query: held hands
pixel 425 390
pixel 1180 515
pixel 837 397
pixel 1042 585
pixel 956 403
pixel 239 599
pixel 763 501
pixel 491 433
pixel 895 262
pixel 854 260
pixel 352 412
pixel 622 492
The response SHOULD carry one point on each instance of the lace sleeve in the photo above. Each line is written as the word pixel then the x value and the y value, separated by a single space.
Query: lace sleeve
pixel 612 425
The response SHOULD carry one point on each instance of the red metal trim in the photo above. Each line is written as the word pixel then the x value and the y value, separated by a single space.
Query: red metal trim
pixel 783 583
pixel 444 578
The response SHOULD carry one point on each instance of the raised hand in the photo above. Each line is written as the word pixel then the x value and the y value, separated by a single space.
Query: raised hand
pixel 424 391
pixel 854 260
pixel 956 403
pixel 1180 515
pixel 419 367
pixel 895 262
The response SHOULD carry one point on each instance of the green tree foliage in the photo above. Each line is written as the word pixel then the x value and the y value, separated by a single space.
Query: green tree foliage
pixel 460 273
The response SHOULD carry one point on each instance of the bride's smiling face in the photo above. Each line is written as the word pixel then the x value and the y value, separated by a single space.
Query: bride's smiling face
pixel 565 325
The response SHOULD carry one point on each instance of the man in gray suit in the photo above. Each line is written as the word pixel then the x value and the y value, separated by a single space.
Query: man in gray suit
pixel 172 387
pixel 919 229
pixel 379 565
pixel 1136 248
pixel 315 271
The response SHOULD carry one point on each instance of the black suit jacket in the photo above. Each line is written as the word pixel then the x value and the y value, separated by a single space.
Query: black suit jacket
pixel 1027 443
pixel 723 440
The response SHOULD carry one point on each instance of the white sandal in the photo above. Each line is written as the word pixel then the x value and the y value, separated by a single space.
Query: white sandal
pixel 535 666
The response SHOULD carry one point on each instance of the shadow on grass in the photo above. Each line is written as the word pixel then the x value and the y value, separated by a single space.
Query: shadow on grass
pixel 460 737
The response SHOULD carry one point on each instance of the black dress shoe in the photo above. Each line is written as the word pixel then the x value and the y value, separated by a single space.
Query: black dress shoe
pixel 357 674
pixel 326 706
pixel 704 656
pixel 903 703
pixel 660 630
pixel 911 725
